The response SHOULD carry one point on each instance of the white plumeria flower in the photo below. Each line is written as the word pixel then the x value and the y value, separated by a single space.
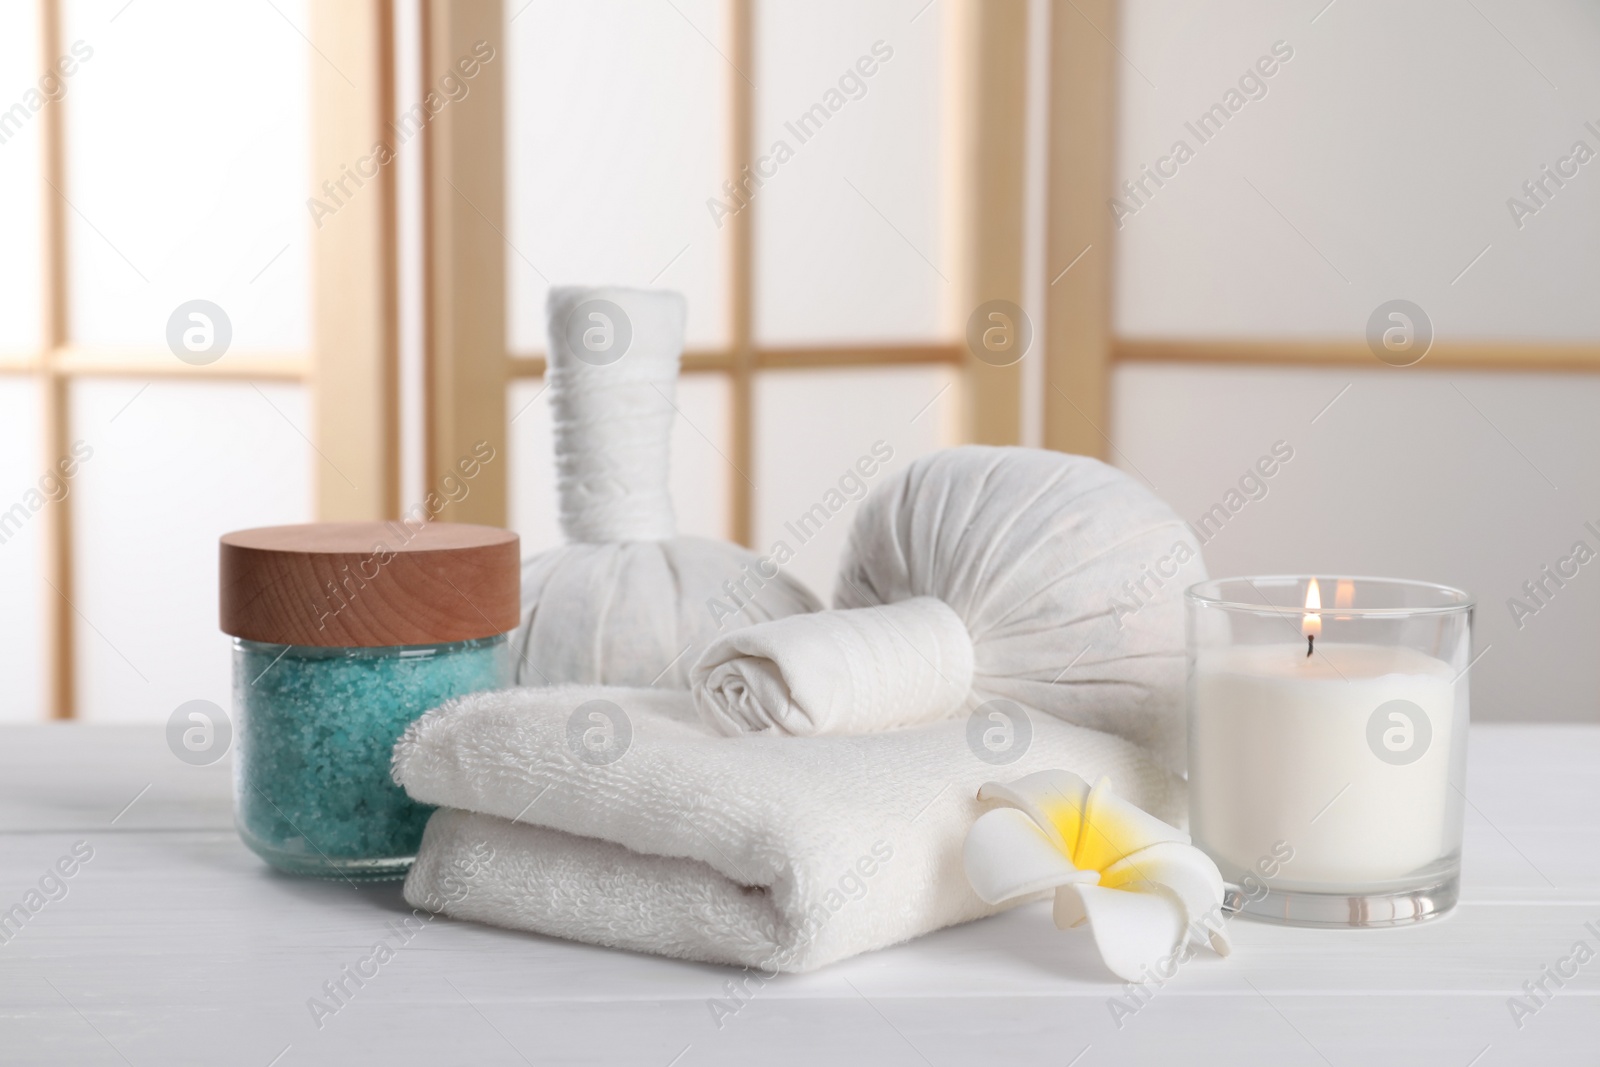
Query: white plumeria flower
pixel 1137 882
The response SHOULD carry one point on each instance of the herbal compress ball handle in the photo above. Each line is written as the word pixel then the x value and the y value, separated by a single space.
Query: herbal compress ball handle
pixel 613 373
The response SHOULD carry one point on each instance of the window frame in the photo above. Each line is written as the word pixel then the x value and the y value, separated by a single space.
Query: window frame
pixel 351 371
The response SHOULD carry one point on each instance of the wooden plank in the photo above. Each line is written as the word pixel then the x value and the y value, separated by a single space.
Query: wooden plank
pixel 354 399
pixel 21 362
pixel 848 1014
pixel 74 361
pixel 863 356
pixel 60 624
pixel 75 777
pixel 532 366
pixel 987 105
pixel 1444 355
pixel 464 255
pixel 695 361
pixel 790 358
pixel 169 892
pixel 59 571
pixel 741 274
pixel 1079 236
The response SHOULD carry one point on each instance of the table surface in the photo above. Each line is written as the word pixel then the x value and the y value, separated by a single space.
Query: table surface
pixel 173 944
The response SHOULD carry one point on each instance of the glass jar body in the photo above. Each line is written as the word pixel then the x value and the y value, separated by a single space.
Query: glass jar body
pixel 315 730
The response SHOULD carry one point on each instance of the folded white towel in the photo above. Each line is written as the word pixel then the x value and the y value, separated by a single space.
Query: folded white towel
pixel 613 816
pixel 837 672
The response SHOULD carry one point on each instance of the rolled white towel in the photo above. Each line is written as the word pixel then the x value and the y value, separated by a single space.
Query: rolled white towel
pixel 850 671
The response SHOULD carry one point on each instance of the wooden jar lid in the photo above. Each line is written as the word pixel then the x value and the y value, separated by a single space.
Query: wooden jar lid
pixel 370 584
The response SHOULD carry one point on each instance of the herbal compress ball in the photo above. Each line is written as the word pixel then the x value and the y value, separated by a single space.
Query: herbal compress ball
pixel 627 601
pixel 1068 574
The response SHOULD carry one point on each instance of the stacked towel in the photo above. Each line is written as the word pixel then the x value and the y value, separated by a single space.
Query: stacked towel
pixel 613 816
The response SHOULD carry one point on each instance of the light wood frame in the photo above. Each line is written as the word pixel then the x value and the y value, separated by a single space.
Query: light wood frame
pixel 1078 242
pixel 352 372
pixel 985 213
pixel 986 99
pixel 464 251
pixel 352 361
pixel 53 381
pixel 355 321
pixel 1081 345
pixel 468 367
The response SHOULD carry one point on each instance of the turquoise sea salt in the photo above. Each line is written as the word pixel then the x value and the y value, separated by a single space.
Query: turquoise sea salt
pixel 312 793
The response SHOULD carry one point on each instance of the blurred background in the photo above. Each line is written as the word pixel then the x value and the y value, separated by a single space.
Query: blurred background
pixel 275 260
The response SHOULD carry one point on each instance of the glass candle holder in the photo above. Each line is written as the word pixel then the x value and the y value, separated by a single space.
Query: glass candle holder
pixel 344 634
pixel 1328 744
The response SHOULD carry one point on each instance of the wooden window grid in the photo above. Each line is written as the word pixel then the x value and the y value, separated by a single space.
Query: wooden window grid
pixel 352 370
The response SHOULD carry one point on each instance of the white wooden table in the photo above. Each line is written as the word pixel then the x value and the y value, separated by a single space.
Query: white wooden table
pixel 175 945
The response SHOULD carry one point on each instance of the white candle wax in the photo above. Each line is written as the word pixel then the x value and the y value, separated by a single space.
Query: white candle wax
pixel 1283 749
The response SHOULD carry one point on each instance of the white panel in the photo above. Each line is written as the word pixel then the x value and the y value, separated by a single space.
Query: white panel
pixel 812 426
pixel 22 549
pixel 187 166
pixel 1448 478
pixel 849 239
pixel 615 120
pixel 23 93
pixel 175 466
pixel 1378 165
pixel 700 472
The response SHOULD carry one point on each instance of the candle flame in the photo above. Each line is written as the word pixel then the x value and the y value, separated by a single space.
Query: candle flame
pixel 1311 624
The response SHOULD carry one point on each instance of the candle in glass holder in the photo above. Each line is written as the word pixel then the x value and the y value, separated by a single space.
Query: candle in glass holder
pixel 1341 746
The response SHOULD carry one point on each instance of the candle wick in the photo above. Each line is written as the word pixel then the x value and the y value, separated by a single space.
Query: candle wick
pixel 1311 640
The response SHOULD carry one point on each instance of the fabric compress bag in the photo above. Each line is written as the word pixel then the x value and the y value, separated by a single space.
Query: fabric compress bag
pixel 978 574
pixel 626 601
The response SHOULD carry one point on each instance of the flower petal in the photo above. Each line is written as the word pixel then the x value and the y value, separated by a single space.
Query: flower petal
pixel 1114 828
pixel 1134 931
pixel 1008 856
pixel 1054 799
pixel 1185 871
pixel 1068 908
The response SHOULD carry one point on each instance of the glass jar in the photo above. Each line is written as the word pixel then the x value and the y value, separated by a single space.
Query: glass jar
pixel 1328 745
pixel 315 730
pixel 344 634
